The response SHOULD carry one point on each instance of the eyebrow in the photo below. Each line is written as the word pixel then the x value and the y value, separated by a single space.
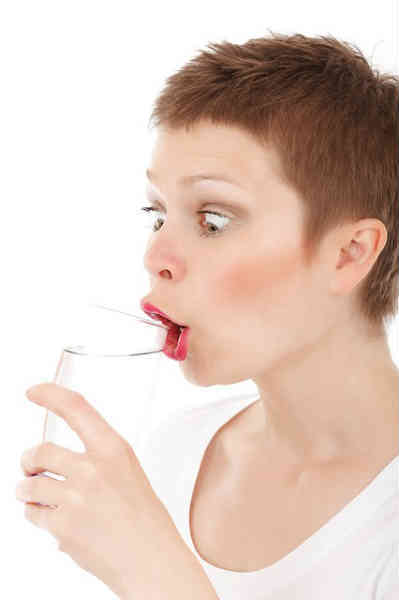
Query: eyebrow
pixel 192 179
pixel 232 204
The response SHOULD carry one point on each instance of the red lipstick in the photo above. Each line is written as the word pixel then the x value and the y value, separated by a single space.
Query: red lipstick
pixel 176 343
pixel 153 312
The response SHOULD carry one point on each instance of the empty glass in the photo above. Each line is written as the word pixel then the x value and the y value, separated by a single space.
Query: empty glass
pixel 116 367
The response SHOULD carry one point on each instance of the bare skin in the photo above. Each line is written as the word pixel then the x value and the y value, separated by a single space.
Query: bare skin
pixel 251 506
pixel 327 419
pixel 247 517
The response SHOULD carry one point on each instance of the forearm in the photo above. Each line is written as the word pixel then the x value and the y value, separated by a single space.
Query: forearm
pixel 166 568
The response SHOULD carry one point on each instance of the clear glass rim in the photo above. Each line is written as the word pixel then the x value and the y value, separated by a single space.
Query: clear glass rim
pixel 141 319
pixel 82 350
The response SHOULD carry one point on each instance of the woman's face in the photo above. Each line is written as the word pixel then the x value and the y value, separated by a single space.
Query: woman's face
pixel 245 292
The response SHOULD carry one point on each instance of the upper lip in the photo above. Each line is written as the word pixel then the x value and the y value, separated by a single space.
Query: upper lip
pixel 152 311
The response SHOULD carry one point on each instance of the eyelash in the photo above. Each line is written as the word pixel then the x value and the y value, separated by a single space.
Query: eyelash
pixel 148 209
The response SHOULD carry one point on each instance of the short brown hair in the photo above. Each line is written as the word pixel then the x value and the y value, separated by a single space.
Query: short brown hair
pixel 333 121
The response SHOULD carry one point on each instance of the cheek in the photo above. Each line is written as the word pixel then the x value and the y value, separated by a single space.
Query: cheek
pixel 267 278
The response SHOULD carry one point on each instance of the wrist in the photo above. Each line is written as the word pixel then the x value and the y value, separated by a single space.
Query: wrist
pixel 163 566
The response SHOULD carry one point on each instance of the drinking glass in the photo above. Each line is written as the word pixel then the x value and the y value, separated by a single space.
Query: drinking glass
pixel 116 367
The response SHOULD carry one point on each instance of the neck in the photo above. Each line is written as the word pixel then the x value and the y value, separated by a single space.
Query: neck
pixel 338 400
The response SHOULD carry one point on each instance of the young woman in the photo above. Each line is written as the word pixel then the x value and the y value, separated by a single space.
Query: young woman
pixel 273 194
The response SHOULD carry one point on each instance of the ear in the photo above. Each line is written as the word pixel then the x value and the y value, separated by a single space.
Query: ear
pixel 359 246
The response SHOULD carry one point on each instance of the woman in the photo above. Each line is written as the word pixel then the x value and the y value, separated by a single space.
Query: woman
pixel 286 273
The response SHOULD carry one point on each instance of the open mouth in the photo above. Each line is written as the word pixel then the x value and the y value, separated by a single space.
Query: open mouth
pixel 176 342
pixel 176 345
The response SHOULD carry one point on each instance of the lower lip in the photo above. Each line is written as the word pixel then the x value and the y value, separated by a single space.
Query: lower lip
pixel 179 352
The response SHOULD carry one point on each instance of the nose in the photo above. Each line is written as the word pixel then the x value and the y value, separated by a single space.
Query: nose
pixel 162 259
pixel 166 274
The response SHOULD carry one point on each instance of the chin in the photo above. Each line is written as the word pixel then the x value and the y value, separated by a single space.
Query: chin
pixel 206 375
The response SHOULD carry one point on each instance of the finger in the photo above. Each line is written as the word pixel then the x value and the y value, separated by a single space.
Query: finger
pixel 41 516
pixel 42 490
pixel 95 432
pixel 51 457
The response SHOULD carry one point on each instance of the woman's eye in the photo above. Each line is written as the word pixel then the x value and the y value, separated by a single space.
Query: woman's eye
pixel 216 229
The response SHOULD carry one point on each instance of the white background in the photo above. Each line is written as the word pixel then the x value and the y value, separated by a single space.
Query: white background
pixel 78 80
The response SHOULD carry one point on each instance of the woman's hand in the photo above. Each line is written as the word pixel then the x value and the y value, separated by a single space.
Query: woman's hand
pixel 105 510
